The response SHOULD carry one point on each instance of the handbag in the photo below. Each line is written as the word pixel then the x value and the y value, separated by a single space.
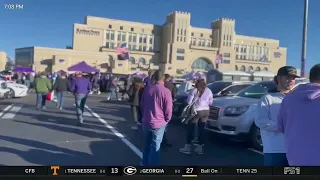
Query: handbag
pixel 189 111
pixel 50 96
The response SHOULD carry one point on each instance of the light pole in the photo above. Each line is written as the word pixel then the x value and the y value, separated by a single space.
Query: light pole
pixel 304 38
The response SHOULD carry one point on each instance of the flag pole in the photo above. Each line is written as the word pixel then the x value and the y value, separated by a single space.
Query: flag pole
pixel 304 38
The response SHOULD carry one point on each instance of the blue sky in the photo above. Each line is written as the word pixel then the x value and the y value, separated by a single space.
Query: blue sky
pixel 49 23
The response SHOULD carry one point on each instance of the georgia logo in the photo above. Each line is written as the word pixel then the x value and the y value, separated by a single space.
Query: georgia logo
pixel 130 170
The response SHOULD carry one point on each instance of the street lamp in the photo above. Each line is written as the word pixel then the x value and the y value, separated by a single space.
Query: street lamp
pixel 304 38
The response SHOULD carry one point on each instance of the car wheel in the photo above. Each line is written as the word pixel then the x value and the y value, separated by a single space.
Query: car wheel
pixel 11 93
pixel 255 138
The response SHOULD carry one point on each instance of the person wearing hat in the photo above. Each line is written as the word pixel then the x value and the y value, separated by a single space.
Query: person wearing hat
pixel 267 116
pixel 299 121
pixel 81 87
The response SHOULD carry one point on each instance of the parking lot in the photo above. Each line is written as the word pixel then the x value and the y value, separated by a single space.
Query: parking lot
pixel 52 136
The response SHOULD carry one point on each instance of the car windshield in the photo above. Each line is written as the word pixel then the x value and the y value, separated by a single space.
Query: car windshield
pixel 236 88
pixel 3 78
pixel 218 86
pixel 258 90
pixel 184 87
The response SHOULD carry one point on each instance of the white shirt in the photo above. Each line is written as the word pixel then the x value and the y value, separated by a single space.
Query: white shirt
pixel 266 120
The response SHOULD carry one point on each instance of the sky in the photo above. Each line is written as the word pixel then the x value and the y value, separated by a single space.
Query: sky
pixel 49 23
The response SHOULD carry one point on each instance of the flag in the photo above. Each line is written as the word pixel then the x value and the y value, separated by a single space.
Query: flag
pixel 219 59
pixel 277 54
pixel 121 48
pixel 123 56
pixel 122 51
pixel 263 58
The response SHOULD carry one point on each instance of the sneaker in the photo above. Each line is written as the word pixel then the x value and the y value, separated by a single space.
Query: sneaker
pixel 195 141
pixel 43 107
pixel 186 149
pixel 135 127
pixel 199 149
pixel 60 108
pixel 91 92
pixel 99 92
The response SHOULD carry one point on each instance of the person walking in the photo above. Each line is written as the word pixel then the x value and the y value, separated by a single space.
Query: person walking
pixel 113 88
pixel 95 84
pixel 81 87
pixel 299 121
pixel 156 104
pixel 202 98
pixel 42 87
pixel 61 87
pixel 267 116
pixel 135 92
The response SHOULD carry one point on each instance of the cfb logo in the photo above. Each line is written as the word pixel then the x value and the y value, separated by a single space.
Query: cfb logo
pixel 130 170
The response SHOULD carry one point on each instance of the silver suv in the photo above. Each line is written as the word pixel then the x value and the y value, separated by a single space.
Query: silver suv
pixel 234 116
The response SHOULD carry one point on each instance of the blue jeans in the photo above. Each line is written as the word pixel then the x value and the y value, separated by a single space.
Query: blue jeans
pixel 41 100
pixel 60 99
pixel 113 92
pixel 27 83
pixel 275 159
pixel 152 143
pixel 80 101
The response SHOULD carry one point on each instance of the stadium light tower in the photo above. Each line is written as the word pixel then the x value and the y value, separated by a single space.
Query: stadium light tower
pixel 304 38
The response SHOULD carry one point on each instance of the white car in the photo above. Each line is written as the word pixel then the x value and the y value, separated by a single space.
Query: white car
pixel 4 91
pixel 16 90
pixel 234 116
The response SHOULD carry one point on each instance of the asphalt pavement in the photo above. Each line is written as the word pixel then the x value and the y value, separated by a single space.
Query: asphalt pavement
pixel 53 137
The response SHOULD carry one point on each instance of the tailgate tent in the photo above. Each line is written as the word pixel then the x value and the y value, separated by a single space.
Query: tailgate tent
pixel 83 67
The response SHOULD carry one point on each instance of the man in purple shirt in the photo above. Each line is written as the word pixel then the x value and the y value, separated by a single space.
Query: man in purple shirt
pixel 80 86
pixel 156 104
pixel 299 121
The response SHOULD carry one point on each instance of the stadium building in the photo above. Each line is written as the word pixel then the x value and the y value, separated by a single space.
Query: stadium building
pixel 175 47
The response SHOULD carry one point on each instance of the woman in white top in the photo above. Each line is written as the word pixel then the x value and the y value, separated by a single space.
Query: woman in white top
pixel 202 98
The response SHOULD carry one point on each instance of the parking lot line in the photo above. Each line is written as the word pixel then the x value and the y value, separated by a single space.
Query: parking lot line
pixel 12 112
pixel 5 109
pixel 117 133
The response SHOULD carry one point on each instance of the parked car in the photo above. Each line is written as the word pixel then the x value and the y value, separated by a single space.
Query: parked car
pixel 16 90
pixel 234 116
pixel 218 88
pixel 4 91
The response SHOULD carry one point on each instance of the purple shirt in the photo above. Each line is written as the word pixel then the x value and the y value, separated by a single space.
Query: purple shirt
pixel 299 120
pixel 80 85
pixel 156 105
pixel 147 81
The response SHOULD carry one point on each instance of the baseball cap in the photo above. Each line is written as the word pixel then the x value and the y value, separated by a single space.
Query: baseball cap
pixel 288 71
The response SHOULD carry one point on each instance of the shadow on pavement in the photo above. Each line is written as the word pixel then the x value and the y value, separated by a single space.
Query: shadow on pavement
pixel 48 154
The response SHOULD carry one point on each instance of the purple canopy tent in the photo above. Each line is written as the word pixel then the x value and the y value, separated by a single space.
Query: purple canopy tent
pixel 195 75
pixel 139 75
pixel 61 71
pixel 83 67
pixel 23 70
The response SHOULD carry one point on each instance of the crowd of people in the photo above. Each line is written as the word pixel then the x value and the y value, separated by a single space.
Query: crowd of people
pixel 151 104
pixel 289 121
